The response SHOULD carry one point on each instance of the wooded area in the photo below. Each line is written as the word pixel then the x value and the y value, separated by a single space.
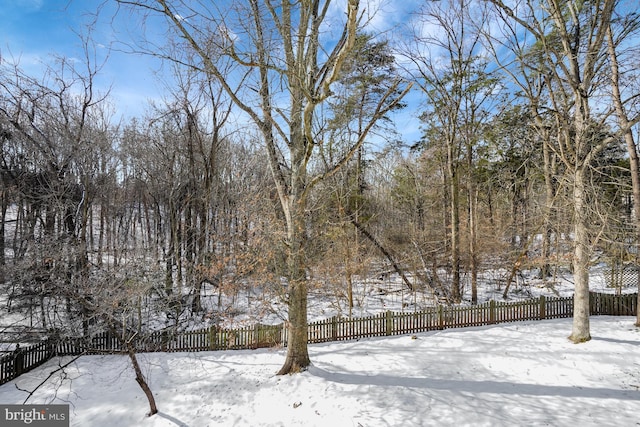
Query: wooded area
pixel 274 167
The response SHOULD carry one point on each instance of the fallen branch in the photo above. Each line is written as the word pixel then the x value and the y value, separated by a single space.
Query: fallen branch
pixel 382 249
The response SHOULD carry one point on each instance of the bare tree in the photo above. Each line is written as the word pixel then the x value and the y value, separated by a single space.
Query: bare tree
pixel 57 128
pixel 572 39
pixel 283 71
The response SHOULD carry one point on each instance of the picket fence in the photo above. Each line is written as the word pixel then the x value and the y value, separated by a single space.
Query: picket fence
pixel 334 329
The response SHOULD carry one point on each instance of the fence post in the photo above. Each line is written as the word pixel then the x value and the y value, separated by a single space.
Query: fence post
pixel 543 307
pixel 51 348
pixel 257 331
pixel 492 312
pixel 212 338
pixel 18 361
pixel 389 322
pixel 440 316
pixel 334 328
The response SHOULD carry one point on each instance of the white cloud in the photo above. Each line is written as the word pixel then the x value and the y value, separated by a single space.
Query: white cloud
pixel 382 16
pixel 28 5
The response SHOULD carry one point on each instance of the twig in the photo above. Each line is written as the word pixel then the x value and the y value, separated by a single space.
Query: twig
pixel 60 368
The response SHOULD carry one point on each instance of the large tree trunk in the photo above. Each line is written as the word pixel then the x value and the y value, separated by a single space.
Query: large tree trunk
pixel 297 350
pixel 634 165
pixel 580 28
pixel 581 255
pixel 303 68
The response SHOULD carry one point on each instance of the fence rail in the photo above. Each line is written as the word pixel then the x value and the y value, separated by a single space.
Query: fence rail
pixel 334 329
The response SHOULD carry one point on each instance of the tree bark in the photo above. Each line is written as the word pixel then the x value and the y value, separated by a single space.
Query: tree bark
pixel 550 194
pixel 141 380
pixel 580 329
pixel 294 205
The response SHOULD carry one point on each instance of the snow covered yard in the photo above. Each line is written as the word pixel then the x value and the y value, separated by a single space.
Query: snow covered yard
pixel 514 374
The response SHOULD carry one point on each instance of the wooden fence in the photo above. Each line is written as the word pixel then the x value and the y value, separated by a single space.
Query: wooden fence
pixel 444 317
pixel 333 329
pixel 25 359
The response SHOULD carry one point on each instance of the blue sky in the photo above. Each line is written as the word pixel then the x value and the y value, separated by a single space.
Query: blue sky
pixel 36 25
pixel 33 31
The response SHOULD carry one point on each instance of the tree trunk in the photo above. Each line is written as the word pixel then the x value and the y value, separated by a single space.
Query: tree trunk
pixel 545 269
pixel 141 380
pixel 4 204
pixel 454 234
pixel 297 359
pixel 473 227
pixel 305 71
pixel 581 255
pixel 347 265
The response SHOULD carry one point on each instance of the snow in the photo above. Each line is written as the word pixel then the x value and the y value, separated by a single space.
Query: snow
pixel 525 373
pixel 373 296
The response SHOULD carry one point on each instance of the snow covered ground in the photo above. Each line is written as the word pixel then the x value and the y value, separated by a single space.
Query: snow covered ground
pixel 515 374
